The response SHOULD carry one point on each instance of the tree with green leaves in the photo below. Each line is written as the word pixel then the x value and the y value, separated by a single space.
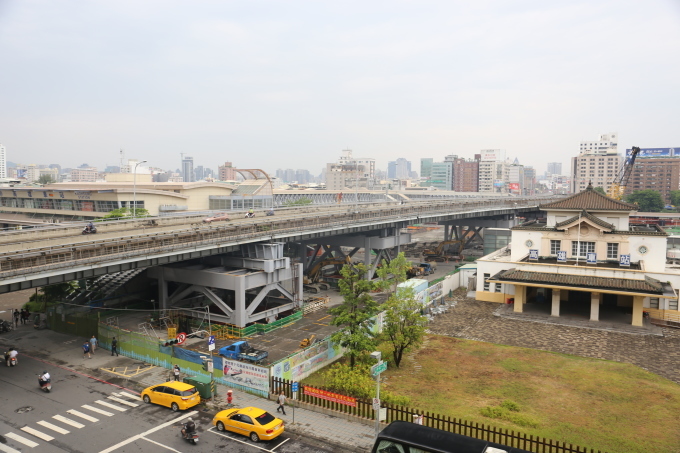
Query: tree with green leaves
pixel 404 325
pixel 601 190
pixel 392 273
pixel 675 198
pixel 299 202
pixel 354 315
pixel 648 200
pixel 123 213
pixel 54 293
pixel 45 179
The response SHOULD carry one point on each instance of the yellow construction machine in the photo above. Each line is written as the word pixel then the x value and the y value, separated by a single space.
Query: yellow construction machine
pixel 312 281
pixel 445 251
pixel 618 186
pixel 307 341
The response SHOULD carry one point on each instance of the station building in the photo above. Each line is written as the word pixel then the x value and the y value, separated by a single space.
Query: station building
pixel 74 201
pixel 585 259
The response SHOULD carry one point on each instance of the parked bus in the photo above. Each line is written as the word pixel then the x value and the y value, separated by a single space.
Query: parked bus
pixel 405 437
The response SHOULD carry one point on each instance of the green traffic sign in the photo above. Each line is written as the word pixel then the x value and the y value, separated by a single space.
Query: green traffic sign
pixel 379 368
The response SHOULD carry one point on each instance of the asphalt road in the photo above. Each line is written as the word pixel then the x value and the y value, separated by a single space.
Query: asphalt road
pixel 83 415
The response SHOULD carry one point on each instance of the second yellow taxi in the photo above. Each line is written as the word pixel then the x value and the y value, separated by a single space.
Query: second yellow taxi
pixel 252 422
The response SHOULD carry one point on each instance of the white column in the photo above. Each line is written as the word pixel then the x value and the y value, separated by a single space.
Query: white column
pixel 595 306
pixel 555 303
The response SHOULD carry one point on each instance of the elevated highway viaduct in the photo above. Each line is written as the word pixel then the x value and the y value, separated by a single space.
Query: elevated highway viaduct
pixel 48 255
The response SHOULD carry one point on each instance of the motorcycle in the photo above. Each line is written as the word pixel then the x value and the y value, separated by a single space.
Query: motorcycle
pixel 249 215
pixel 191 437
pixel 88 230
pixel 270 212
pixel 10 361
pixel 6 326
pixel 45 386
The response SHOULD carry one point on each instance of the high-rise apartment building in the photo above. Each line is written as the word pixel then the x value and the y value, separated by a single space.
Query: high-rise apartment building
pixel 656 169
pixel 598 163
pixel 555 168
pixel 3 161
pixel 188 169
pixel 492 170
pixel 89 174
pixel 226 172
pixel 426 167
pixel 399 169
pixel 441 175
pixel 350 171
pixel 465 173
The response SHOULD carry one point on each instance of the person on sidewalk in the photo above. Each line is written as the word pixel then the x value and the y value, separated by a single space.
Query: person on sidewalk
pixel 16 318
pixel 175 371
pixel 86 350
pixel 114 346
pixel 282 401
pixel 93 344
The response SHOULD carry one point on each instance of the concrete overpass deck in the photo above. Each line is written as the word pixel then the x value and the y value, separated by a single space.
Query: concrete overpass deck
pixel 48 255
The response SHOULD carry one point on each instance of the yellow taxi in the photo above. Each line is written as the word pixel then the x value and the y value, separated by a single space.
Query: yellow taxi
pixel 174 394
pixel 255 423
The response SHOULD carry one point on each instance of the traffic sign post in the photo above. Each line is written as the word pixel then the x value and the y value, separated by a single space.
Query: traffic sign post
pixel 211 343
pixel 295 388
pixel 375 372
pixel 181 338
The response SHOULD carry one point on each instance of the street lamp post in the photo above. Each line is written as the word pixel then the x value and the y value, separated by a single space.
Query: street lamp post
pixel 134 190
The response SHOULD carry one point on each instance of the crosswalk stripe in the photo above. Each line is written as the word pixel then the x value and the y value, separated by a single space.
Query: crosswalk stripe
pixel 7 449
pixel 56 428
pixel 122 401
pixel 68 421
pixel 37 433
pixel 129 395
pixel 97 410
pixel 81 415
pixel 23 440
pixel 112 406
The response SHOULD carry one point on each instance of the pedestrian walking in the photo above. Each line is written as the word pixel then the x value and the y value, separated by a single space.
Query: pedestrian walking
pixel 282 401
pixel 114 346
pixel 24 316
pixel 175 371
pixel 86 350
pixel 16 318
pixel 93 344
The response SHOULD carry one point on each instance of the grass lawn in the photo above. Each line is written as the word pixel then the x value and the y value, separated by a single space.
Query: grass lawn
pixel 607 406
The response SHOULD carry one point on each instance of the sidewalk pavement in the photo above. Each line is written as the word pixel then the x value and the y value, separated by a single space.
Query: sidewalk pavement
pixel 63 350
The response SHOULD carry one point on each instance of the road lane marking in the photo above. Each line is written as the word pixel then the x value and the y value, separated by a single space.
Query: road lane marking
pixel 81 415
pixel 56 428
pixel 153 430
pixel 250 444
pixel 285 440
pixel 37 433
pixel 68 421
pixel 161 445
pixel 97 410
pixel 122 401
pixel 23 440
pixel 7 449
pixel 111 406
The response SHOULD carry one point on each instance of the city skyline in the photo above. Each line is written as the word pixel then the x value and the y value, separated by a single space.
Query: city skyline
pixel 293 84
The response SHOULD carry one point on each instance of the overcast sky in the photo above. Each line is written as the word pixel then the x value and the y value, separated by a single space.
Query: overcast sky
pixel 289 84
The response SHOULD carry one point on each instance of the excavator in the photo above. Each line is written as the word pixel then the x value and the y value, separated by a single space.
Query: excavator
pixel 311 280
pixel 445 251
pixel 618 186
